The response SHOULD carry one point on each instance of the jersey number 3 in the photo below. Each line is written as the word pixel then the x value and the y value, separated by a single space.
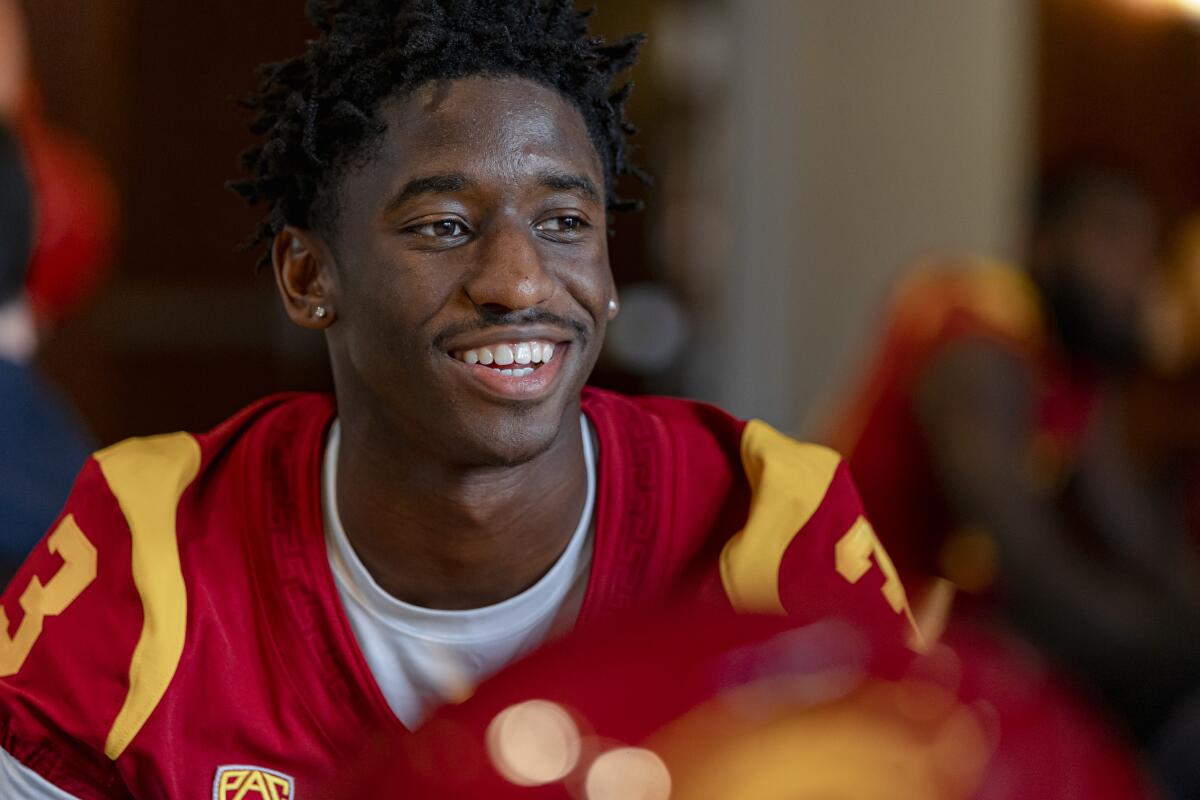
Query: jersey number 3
pixel 39 601
pixel 854 553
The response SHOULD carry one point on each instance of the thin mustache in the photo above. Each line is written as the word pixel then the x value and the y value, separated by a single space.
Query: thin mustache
pixel 489 319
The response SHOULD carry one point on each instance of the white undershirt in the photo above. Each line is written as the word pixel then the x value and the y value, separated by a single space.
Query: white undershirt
pixel 421 658
pixel 19 782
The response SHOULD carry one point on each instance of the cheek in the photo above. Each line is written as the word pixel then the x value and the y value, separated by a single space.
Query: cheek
pixel 385 305
pixel 588 278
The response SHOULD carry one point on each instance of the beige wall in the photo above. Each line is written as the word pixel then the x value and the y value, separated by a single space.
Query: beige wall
pixel 865 132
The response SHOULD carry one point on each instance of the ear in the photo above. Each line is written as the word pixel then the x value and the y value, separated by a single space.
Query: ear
pixel 304 275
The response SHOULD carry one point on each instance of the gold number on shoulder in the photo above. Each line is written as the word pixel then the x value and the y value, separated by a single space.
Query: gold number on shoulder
pixel 854 552
pixel 39 601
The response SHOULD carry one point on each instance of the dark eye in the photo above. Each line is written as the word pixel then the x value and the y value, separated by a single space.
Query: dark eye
pixel 565 224
pixel 440 229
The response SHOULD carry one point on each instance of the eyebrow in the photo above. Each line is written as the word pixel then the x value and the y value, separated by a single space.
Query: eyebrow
pixel 430 184
pixel 445 183
pixel 568 181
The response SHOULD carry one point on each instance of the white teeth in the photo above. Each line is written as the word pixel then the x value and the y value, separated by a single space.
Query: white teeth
pixel 519 372
pixel 521 353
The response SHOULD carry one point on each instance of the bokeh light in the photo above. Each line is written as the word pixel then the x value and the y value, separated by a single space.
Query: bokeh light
pixel 533 743
pixel 1189 7
pixel 628 773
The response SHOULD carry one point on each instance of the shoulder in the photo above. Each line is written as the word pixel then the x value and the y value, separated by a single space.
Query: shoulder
pixel 673 464
pixel 775 465
pixel 272 419
pixel 797 490
pixel 941 305
pixel 668 417
pixel 807 549
pixel 952 297
pixel 93 626
pixel 781 476
pixel 785 515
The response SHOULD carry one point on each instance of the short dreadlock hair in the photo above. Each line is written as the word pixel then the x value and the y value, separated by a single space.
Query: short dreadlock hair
pixel 318 112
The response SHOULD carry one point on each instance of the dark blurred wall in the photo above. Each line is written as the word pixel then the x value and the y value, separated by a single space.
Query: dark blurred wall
pixel 1119 82
pixel 184 332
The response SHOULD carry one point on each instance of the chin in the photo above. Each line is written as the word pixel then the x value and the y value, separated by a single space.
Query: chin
pixel 515 438
pixel 517 449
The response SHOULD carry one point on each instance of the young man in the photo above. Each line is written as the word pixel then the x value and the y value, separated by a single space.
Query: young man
pixel 249 608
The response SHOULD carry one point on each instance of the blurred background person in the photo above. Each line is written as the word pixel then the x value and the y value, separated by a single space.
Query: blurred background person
pixel 989 446
pixel 58 216
pixel 76 205
pixel 44 443
pixel 1162 408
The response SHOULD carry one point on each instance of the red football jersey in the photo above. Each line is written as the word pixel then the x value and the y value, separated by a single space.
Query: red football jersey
pixel 179 628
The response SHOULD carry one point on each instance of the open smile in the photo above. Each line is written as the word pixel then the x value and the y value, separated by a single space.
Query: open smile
pixel 520 370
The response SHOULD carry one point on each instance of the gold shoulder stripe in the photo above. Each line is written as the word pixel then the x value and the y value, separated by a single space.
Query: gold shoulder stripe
pixel 148 476
pixel 788 480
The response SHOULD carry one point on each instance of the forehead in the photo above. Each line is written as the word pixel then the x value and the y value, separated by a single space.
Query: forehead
pixel 498 128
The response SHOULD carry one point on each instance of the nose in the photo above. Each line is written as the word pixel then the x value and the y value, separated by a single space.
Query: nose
pixel 510 275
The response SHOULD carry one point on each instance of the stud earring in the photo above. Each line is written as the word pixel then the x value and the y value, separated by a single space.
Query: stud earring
pixel 319 312
pixel 612 306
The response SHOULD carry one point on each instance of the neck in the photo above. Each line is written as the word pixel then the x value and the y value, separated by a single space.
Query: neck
pixel 450 537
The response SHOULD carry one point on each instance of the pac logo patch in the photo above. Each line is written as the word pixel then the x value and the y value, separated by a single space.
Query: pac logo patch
pixel 251 783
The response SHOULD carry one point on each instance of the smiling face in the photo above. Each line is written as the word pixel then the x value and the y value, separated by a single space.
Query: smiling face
pixel 465 281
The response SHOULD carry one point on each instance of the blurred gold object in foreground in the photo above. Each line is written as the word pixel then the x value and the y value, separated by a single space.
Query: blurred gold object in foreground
pixel 885 739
